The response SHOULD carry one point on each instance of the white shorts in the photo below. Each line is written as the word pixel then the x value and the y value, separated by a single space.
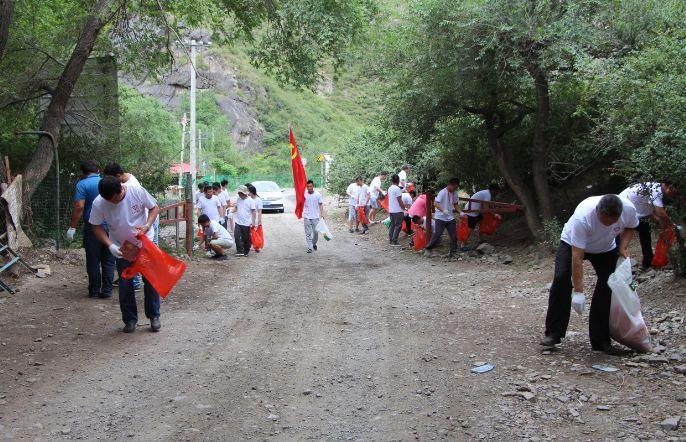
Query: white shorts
pixel 223 243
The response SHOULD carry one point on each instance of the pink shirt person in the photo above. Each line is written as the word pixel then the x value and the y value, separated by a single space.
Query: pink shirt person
pixel 418 208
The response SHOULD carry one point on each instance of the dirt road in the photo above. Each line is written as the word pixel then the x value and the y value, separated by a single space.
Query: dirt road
pixel 355 341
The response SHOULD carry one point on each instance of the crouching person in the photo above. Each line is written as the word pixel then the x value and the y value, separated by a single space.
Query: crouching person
pixel 127 211
pixel 216 238
pixel 590 234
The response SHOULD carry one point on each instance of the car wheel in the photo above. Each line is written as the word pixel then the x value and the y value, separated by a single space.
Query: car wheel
pixel 281 211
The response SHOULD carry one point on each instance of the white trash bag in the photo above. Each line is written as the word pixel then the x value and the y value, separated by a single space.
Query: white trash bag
pixel 626 321
pixel 323 229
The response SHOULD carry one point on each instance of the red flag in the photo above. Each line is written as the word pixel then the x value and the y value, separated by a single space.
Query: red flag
pixel 299 176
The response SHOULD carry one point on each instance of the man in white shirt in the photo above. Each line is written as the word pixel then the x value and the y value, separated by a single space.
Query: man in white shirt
pixel 128 211
pixel 445 204
pixel 352 191
pixel 474 218
pixel 408 199
pixel 227 199
pixel 215 237
pixel 363 198
pixel 199 193
pixel 209 205
pixel 649 200
pixel 590 234
pixel 259 207
pixel 402 175
pixel 396 209
pixel 312 212
pixel 245 214
pixel 376 190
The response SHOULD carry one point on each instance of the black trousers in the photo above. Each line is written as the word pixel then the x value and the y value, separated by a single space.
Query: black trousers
pixel 241 235
pixel 408 224
pixel 644 237
pixel 438 233
pixel 560 299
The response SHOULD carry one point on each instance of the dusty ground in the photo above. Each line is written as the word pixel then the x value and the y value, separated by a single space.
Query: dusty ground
pixel 356 341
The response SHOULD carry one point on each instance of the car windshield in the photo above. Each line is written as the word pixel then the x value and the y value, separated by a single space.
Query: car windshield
pixel 266 186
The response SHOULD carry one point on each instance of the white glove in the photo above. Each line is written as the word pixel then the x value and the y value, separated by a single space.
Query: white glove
pixel 114 250
pixel 70 233
pixel 578 302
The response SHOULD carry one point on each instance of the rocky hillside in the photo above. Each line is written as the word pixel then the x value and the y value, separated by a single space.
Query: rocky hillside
pixel 259 109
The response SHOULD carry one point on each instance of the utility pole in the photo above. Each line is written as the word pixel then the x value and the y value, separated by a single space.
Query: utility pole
pixel 194 73
pixel 183 148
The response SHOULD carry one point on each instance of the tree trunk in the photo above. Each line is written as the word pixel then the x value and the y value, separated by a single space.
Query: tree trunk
pixel 54 115
pixel 6 13
pixel 513 178
pixel 541 150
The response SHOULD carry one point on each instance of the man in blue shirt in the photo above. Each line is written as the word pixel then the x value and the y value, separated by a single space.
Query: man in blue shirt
pixel 99 260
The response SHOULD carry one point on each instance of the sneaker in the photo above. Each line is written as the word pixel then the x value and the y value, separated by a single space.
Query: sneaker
pixel 129 327
pixel 427 253
pixel 610 350
pixel 550 341
pixel 155 324
pixel 364 231
pixel 357 229
pixel 239 254
pixel 115 283
pixel 245 254
pixel 105 296
pixel 465 249
pixel 396 244
pixel 138 286
pixel 351 231
pixel 220 258
pixel 309 250
pixel 94 295
pixel 314 247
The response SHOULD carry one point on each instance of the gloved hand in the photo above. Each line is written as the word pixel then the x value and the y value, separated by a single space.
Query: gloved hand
pixel 70 234
pixel 114 250
pixel 578 302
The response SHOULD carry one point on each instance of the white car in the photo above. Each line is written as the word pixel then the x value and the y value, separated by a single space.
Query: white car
pixel 271 194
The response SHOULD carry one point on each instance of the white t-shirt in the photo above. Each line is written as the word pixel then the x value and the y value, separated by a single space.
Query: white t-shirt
pixel 217 228
pixel 312 202
pixel 362 195
pixel 484 195
pixel 209 207
pixel 123 218
pixel 258 203
pixel 375 187
pixel 132 182
pixel 244 210
pixel 645 197
pixel 407 199
pixel 447 201
pixel 585 231
pixel 225 197
pixel 393 193
pixel 352 191
pixel 198 194
pixel 403 178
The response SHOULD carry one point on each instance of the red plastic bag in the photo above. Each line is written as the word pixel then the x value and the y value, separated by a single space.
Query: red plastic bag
pixel 419 239
pixel 160 269
pixel 383 203
pixel 362 216
pixel 490 223
pixel 257 237
pixel 664 242
pixel 463 229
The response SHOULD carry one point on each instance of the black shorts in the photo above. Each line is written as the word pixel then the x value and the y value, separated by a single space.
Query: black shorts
pixel 472 221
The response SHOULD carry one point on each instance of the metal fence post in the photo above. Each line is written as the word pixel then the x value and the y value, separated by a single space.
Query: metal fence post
pixel 188 214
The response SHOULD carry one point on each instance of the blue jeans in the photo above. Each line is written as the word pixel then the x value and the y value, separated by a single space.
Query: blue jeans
pixel 127 296
pixel 99 264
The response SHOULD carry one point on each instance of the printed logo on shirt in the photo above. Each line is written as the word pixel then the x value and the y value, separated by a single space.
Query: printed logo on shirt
pixel 617 229
pixel 136 208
